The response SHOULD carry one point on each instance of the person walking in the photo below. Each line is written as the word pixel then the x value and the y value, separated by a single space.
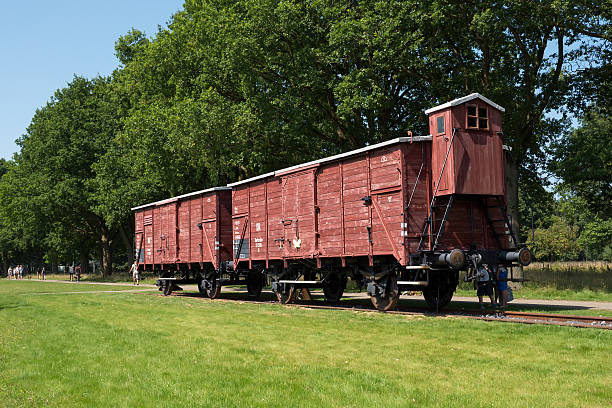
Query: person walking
pixel 484 285
pixel 43 273
pixel 20 270
pixel 135 273
pixel 502 284
pixel 10 272
pixel 77 272
pixel 70 272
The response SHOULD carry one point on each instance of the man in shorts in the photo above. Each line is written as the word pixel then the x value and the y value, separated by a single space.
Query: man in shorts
pixel 484 285
pixel 10 272
pixel 135 273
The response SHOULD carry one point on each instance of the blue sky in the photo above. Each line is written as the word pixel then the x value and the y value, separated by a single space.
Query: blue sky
pixel 44 43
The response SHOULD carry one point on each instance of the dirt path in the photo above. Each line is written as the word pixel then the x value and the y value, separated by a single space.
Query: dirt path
pixel 144 285
pixel 88 291
pixel 566 304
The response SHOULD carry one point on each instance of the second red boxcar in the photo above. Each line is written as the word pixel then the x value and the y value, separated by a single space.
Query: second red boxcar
pixel 186 238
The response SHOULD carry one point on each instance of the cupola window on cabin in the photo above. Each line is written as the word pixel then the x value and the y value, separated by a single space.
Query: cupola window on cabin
pixel 477 117
pixel 440 124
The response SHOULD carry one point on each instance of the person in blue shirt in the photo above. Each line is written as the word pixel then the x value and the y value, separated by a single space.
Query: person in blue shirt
pixel 502 284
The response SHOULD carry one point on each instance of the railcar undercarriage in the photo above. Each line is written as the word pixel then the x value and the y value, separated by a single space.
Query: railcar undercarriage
pixel 434 274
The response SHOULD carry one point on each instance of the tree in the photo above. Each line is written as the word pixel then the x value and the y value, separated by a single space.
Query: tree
pixel 596 239
pixel 49 192
pixel 584 162
pixel 520 54
pixel 557 242
pixel 230 89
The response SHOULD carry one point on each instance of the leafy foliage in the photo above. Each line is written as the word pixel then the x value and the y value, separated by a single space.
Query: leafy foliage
pixel 584 162
pixel 558 242
pixel 234 89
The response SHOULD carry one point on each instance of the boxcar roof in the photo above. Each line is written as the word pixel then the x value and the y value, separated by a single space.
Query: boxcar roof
pixel 464 99
pixel 336 157
pixel 172 199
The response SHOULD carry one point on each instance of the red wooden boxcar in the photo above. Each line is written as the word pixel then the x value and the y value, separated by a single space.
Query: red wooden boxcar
pixel 189 234
pixel 405 214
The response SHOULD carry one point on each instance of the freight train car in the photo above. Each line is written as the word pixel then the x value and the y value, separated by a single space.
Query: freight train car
pixel 405 214
pixel 186 239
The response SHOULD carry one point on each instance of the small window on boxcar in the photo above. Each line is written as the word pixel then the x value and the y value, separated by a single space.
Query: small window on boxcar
pixel 477 118
pixel 483 119
pixel 440 124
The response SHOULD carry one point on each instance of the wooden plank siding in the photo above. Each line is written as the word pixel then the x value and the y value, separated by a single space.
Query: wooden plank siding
pixel 319 212
pixel 475 163
pixel 169 234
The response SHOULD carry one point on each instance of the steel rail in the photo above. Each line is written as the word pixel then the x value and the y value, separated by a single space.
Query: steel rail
pixel 598 322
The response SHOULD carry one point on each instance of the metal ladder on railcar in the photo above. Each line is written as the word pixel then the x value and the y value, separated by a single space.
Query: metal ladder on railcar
pixel 428 228
pixel 499 204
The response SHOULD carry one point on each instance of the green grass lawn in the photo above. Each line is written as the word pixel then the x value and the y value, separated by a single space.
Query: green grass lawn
pixel 118 277
pixel 15 287
pixel 140 349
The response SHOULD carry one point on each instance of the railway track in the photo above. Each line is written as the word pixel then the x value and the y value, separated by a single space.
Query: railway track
pixel 597 322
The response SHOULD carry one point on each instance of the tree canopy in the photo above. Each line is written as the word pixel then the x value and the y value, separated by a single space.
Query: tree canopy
pixel 230 89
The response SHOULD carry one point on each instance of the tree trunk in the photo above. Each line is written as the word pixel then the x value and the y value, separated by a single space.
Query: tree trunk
pixel 129 247
pixel 106 266
pixel 53 260
pixel 4 263
pixel 84 258
pixel 512 201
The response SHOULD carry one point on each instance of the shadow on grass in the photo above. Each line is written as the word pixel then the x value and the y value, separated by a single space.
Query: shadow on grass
pixel 13 306
pixel 404 304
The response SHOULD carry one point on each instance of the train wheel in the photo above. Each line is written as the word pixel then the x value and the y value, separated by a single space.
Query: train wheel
pixel 202 288
pixel 441 291
pixel 388 301
pixel 333 288
pixel 254 284
pixel 438 297
pixel 167 288
pixel 213 289
pixel 288 296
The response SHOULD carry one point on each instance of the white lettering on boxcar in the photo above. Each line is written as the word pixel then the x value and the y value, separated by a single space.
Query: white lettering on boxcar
pixel 258 227
pixel 383 159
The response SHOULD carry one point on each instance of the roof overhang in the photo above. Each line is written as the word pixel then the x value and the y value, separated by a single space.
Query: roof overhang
pixel 356 152
pixel 464 99
pixel 173 199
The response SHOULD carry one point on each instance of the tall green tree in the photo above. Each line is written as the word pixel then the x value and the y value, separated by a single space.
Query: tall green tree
pixel 523 55
pixel 584 162
pixel 50 194
pixel 233 89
